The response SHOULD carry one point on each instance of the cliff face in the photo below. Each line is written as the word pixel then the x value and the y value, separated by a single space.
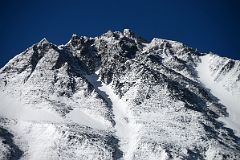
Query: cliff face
pixel 118 96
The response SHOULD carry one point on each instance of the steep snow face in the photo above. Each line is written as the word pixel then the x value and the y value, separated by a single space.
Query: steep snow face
pixel 51 79
pixel 125 126
pixel 221 76
pixel 45 86
pixel 117 96
pixel 160 84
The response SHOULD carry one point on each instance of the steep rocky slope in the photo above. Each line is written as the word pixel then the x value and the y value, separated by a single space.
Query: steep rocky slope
pixel 118 96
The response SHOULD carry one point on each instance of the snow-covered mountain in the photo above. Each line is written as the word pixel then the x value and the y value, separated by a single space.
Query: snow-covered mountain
pixel 118 96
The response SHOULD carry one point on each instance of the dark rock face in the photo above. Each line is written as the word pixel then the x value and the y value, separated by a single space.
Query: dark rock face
pixel 173 114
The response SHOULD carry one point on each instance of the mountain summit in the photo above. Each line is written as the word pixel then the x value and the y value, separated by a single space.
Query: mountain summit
pixel 118 96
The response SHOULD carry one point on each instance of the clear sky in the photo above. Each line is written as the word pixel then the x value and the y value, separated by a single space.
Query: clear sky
pixel 208 25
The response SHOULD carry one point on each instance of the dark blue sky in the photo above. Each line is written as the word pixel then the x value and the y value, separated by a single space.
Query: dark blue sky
pixel 208 25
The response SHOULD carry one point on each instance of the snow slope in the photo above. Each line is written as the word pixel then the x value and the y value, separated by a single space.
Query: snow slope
pixel 217 88
pixel 117 96
pixel 125 127
pixel 13 109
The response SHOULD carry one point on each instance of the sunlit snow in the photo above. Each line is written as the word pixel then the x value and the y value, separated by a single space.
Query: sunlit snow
pixel 230 100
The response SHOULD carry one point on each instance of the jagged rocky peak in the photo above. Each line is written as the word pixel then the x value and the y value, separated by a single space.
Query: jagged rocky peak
pixel 76 41
pixel 125 34
pixel 127 42
pixel 128 33
pixel 174 46
pixel 74 36
pixel 43 41
pixel 29 58
pixel 111 34
pixel 117 96
pixel 44 44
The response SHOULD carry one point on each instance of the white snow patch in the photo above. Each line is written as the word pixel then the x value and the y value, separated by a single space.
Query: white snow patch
pixel 82 118
pixel 13 109
pixel 230 100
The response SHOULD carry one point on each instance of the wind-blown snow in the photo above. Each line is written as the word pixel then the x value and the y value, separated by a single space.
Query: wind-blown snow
pixel 230 100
